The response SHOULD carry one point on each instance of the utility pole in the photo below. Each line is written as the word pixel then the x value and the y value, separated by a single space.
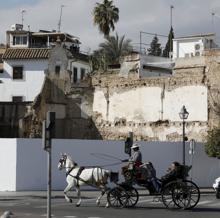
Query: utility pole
pixel 171 15
pixel 59 23
pixel 140 42
pixel 213 25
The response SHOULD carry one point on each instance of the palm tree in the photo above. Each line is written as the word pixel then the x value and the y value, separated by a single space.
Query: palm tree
pixel 114 48
pixel 105 15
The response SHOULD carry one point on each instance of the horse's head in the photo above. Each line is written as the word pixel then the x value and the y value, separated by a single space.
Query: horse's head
pixel 62 161
pixel 66 162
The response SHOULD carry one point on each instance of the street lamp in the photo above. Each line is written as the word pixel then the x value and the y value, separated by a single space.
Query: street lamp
pixel 183 115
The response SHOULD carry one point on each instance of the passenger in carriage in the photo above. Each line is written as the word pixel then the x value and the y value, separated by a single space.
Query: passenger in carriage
pixel 174 172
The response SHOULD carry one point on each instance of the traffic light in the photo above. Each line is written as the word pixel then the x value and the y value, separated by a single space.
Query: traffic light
pixel 48 130
pixel 129 143
pixel 50 123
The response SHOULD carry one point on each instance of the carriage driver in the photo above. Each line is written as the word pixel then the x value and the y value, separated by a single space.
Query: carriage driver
pixel 136 156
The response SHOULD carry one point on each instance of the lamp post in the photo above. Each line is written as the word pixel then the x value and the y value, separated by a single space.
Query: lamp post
pixel 183 116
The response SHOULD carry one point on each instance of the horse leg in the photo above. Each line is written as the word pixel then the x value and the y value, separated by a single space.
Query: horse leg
pixel 103 191
pixel 78 195
pixel 69 186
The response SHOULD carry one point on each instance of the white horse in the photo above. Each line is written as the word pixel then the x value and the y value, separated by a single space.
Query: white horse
pixel 77 176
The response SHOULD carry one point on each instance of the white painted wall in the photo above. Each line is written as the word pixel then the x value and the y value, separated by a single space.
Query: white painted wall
pixel 29 87
pixel 31 160
pixel 144 104
pixel 8 162
pixel 138 105
pixel 186 46
pixel 193 97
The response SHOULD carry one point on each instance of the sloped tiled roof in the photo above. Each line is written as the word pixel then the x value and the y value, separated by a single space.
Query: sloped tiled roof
pixel 26 53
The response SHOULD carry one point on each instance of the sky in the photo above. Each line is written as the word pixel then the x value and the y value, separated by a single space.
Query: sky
pixel 189 17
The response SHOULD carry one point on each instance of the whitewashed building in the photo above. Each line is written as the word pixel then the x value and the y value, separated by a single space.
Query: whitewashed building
pixel 25 62
pixel 190 46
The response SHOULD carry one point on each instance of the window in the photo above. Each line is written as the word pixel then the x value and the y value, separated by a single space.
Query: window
pixel 19 40
pixel 57 70
pixel 17 98
pixel 75 74
pixel 18 72
pixel 82 73
pixel 1 71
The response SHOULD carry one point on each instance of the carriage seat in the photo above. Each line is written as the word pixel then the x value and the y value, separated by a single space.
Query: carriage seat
pixel 181 172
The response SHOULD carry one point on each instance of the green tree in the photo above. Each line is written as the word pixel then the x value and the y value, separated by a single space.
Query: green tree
pixel 212 146
pixel 97 61
pixel 114 48
pixel 105 15
pixel 155 47
pixel 110 52
pixel 169 45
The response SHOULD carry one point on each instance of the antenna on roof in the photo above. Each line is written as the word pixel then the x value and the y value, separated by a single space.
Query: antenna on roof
pixel 22 16
pixel 59 23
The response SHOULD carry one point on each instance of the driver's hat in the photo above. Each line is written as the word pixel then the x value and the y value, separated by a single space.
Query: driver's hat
pixel 135 145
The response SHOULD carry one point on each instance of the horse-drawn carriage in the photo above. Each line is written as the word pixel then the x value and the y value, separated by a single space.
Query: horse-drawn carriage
pixel 178 193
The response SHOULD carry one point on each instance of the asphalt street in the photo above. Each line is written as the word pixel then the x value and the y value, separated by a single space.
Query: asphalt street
pixel 34 205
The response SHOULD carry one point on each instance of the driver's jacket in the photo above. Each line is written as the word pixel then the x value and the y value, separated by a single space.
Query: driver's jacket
pixel 136 157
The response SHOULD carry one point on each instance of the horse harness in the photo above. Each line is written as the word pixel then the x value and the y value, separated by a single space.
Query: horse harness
pixel 63 161
pixel 77 177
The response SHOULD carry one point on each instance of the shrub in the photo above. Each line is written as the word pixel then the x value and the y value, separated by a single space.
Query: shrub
pixel 212 146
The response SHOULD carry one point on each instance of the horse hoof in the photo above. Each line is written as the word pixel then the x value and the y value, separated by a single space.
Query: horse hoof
pixel 71 201
pixel 97 203
pixel 77 205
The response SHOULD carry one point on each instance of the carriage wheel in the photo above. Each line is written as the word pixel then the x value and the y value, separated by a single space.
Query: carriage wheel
pixel 167 195
pixel 186 194
pixel 117 197
pixel 132 197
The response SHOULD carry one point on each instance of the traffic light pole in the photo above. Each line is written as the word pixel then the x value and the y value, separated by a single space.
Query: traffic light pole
pixel 48 132
pixel 49 183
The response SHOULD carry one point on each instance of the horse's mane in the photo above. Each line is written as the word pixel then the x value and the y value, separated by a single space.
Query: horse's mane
pixel 70 158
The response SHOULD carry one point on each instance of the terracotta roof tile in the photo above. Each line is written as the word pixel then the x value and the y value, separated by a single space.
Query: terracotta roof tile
pixel 26 53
